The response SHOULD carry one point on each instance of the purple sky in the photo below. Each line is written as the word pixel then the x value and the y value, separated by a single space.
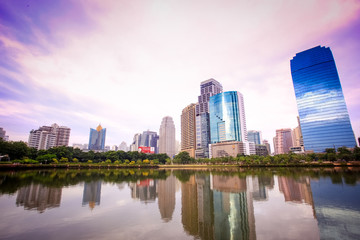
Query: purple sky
pixel 127 64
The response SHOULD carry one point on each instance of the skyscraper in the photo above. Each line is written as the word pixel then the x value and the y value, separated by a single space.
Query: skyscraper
pixel 136 142
pixel 208 88
pixel 283 141
pixel 97 138
pixel 324 118
pixel 167 136
pixel 227 117
pixel 188 130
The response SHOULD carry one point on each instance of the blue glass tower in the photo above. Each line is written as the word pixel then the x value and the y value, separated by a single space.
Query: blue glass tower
pixel 227 117
pixel 324 118
pixel 97 138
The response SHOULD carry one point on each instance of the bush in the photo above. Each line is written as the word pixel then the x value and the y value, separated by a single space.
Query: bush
pixel 146 161
pixel 108 161
pixel 89 161
pixel 75 160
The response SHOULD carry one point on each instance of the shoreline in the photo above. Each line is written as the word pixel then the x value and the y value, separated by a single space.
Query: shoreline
pixel 174 166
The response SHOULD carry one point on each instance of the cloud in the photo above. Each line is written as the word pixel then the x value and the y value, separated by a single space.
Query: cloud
pixel 128 64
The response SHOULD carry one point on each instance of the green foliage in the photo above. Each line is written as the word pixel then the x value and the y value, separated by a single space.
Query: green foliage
pixel 54 160
pixel 108 161
pixel 64 160
pixel 75 160
pixel 89 161
pixel 117 162
pixel 47 158
pixel 183 158
pixel 126 161
pixel 146 161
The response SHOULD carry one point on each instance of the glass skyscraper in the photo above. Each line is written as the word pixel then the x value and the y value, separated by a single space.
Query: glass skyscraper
pixel 227 117
pixel 324 118
pixel 254 136
pixel 97 138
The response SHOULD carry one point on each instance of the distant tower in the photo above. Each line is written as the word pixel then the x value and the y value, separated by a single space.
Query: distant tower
pixel 188 130
pixel 324 118
pixel 283 141
pixel 97 138
pixel 254 136
pixel 167 137
pixel 208 89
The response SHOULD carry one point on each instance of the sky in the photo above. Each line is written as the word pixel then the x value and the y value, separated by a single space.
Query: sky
pixel 127 64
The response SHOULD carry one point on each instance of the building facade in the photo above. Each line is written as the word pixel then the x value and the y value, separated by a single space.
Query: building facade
pixel 188 130
pixel 254 136
pixel 136 142
pixel 208 89
pixel 123 147
pixel 150 139
pixel 49 136
pixel 227 117
pixel 97 138
pixel 283 141
pixel 324 118
pixel 167 137
pixel 3 135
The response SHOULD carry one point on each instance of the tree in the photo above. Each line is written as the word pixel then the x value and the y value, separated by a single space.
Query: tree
pixel 47 158
pixel 182 157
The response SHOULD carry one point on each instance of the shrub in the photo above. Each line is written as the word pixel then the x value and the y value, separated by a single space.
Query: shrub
pixel 108 161
pixel 89 161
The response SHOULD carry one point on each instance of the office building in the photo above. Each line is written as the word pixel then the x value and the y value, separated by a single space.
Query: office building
pixel 167 137
pixel 267 144
pixel 231 148
pixel 254 136
pixel 150 139
pixel 227 117
pixel 49 136
pixel 208 88
pixel 261 150
pixel 188 130
pixel 324 118
pixel 136 142
pixel 283 141
pixel 97 138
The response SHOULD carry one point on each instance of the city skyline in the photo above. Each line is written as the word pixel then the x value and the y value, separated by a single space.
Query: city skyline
pixel 127 65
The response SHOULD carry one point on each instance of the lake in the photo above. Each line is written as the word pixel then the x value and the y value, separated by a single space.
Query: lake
pixel 232 203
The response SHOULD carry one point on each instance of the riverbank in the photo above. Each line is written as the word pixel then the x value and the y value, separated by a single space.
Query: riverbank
pixel 173 166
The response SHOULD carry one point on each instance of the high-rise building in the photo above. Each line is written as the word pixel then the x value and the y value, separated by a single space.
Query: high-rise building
pixel 49 136
pixel 283 141
pixel 254 136
pixel 324 118
pixel 188 130
pixel 167 137
pixel 208 88
pixel 227 117
pixel 150 139
pixel 136 142
pixel 97 138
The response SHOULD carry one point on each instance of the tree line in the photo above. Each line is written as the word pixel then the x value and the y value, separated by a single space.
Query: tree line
pixel 19 151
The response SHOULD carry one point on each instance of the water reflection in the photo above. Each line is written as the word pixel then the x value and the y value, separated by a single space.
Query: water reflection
pixel 38 197
pixel 91 194
pixel 265 204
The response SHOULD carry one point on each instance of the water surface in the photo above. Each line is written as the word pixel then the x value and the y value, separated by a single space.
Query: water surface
pixel 274 203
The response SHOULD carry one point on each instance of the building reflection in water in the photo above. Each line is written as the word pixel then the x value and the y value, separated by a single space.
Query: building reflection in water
pixel 166 197
pixel 38 197
pixel 144 190
pixel 224 205
pixel 91 194
pixel 298 191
